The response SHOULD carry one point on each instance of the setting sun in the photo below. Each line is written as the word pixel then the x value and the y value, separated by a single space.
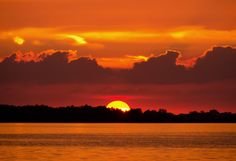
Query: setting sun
pixel 119 105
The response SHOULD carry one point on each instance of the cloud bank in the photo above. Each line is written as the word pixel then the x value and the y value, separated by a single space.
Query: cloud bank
pixel 216 64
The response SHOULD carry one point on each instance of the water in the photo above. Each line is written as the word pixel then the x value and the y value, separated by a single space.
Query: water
pixel 117 142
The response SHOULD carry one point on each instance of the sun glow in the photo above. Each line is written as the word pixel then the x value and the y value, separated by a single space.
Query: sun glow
pixel 178 35
pixel 18 40
pixel 119 105
pixel 121 36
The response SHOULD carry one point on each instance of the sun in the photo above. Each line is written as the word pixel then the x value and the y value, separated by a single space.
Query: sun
pixel 119 105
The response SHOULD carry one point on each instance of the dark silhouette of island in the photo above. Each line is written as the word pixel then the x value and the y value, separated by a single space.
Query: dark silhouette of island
pixel 99 114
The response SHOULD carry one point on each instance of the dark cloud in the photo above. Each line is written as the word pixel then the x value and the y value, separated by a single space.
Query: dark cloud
pixel 216 65
pixel 161 69
pixel 53 68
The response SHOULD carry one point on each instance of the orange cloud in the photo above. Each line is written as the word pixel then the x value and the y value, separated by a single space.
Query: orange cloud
pixel 78 39
pixel 37 57
pixel 121 36
pixel 188 34
pixel 113 47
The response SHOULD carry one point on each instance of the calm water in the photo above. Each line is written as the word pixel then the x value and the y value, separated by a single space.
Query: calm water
pixel 118 142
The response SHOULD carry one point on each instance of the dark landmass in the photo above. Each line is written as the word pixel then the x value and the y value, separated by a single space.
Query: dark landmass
pixel 86 113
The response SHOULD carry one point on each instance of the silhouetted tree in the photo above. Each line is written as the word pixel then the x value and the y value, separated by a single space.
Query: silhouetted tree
pixel 86 113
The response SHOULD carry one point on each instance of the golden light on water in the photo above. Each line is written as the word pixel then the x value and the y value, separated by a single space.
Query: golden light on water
pixel 119 105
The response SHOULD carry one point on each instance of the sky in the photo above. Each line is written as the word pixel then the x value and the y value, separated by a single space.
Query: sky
pixel 177 55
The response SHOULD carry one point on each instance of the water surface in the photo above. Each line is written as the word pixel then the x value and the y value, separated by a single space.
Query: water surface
pixel 117 142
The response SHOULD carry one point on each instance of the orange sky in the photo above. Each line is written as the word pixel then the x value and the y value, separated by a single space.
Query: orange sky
pixel 117 33
pixel 159 34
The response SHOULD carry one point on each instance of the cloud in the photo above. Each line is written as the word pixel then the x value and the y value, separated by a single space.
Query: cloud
pixel 54 68
pixel 78 40
pixel 217 64
pixel 160 69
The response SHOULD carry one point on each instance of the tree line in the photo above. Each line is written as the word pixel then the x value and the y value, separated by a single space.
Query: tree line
pixel 86 113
